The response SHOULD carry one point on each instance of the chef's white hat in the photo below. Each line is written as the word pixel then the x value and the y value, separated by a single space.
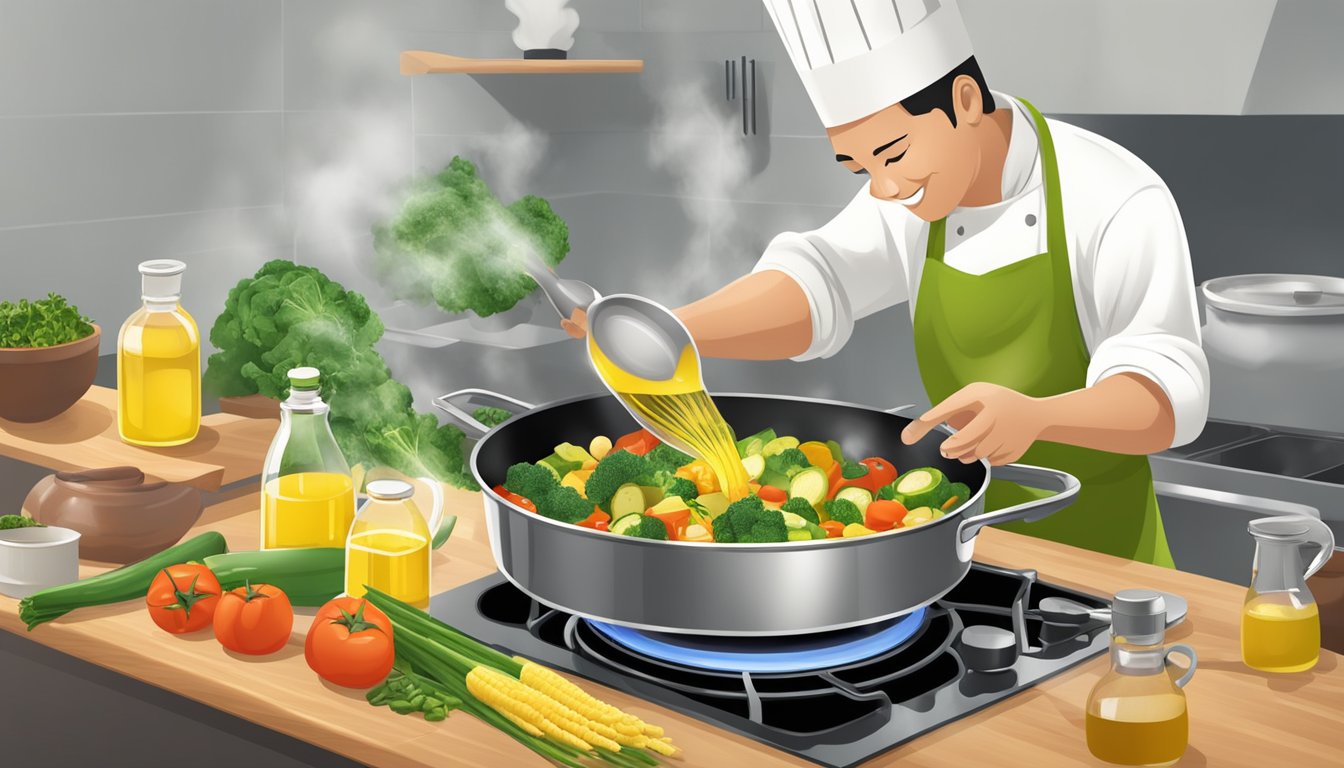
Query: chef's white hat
pixel 857 57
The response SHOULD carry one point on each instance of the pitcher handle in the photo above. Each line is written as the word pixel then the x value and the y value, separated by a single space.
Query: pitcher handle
pixel 1189 653
pixel 1320 535
pixel 437 523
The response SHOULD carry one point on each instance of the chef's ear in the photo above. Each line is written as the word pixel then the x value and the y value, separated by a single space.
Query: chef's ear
pixel 967 101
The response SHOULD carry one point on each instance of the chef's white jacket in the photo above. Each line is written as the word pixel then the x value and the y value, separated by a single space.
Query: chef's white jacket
pixel 1132 279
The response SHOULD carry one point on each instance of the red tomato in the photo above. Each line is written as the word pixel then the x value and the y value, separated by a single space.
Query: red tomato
pixel 884 514
pixel 880 473
pixel 833 528
pixel 638 442
pixel 594 519
pixel 255 619
pixel 772 494
pixel 350 643
pixel 182 598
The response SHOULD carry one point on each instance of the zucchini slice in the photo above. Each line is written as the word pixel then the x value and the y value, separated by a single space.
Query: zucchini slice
pixel 752 446
pixel 924 487
pixel 623 524
pixel 811 484
pixel 754 464
pixel 860 497
pixel 779 445
pixel 628 500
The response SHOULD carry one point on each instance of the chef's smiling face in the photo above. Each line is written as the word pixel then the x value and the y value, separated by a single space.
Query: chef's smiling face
pixel 924 162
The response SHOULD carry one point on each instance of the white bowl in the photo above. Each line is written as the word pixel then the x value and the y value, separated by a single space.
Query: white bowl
pixel 32 559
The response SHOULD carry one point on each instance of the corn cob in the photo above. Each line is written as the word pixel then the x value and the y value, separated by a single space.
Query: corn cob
pixel 553 718
pixel 557 687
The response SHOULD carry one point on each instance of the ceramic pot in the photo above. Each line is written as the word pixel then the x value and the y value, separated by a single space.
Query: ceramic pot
pixel 40 383
pixel 121 517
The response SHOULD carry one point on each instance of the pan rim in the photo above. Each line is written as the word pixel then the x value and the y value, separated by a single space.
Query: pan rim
pixel 814 544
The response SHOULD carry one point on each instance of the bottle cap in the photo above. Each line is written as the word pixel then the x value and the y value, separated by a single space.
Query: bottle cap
pixel 1139 615
pixel 161 280
pixel 389 490
pixel 304 378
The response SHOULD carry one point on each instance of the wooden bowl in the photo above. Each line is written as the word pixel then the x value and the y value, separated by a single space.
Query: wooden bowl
pixel 40 383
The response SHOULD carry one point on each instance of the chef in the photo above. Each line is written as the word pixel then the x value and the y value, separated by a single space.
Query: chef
pixel 1045 267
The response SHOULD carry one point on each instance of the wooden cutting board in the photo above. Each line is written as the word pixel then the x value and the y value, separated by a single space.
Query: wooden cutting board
pixel 228 448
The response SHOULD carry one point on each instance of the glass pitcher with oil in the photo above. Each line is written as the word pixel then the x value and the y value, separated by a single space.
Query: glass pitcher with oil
pixel 307 493
pixel 1280 624
pixel 389 543
pixel 159 363
pixel 1136 713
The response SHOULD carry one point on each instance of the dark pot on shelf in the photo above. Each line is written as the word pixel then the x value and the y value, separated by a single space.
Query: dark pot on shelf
pixel 40 383
pixel 120 517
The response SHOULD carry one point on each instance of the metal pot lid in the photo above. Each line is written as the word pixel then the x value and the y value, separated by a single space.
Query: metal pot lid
pixel 1277 295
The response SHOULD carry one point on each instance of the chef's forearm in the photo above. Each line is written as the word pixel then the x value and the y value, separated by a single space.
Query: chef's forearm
pixel 763 316
pixel 1125 413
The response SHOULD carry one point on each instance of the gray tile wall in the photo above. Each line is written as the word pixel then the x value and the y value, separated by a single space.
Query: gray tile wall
pixel 138 129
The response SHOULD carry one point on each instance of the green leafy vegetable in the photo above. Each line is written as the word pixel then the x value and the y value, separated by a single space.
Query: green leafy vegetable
pixel 288 316
pixel 491 417
pixel 747 521
pixel 41 323
pixel 8 522
pixel 454 244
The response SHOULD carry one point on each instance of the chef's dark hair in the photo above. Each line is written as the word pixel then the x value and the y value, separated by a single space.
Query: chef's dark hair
pixel 939 95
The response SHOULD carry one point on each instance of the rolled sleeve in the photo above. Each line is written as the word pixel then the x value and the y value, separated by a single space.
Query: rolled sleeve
pixel 848 268
pixel 1145 307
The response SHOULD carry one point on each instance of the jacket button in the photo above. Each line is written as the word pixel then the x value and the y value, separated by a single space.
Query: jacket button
pixel 961 230
pixel 1031 219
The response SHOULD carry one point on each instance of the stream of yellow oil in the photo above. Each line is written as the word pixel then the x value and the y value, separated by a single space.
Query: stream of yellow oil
pixel 680 407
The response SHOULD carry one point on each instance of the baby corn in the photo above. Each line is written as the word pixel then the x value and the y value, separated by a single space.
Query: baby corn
pixel 619 726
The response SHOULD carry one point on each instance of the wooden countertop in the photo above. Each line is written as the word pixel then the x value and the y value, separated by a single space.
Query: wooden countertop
pixel 1238 717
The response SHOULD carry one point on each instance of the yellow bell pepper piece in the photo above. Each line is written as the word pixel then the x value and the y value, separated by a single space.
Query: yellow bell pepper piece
pixel 818 454
pixel 699 472
pixel 578 480
pixel 855 529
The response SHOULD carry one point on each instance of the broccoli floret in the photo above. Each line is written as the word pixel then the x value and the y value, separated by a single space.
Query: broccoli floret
pixel 614 470
pixel 665 457
pixel 648 528
pixel 788 462
pixel 669 484
pixel 531 481
pixel 844 511
pixel 564 504
pixel 491 417
pixel 802 508
pixel 747 521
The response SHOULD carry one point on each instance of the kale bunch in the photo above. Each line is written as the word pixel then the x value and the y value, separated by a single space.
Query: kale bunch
pixel 289 316
pixel 455 244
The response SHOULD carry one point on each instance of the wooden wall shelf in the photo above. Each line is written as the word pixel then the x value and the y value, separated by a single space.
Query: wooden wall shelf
pixel 429 63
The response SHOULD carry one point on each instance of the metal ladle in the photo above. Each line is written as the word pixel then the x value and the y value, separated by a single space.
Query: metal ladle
pixel 640 336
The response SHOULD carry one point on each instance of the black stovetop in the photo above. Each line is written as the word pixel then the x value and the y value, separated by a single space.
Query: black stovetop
pixel 838 716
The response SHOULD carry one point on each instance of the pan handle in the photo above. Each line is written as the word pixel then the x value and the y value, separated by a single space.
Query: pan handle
pixel 1065 486
pixel 446 404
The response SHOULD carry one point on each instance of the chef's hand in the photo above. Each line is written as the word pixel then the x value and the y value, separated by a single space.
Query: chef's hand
pixel 992 422
pixel 576 325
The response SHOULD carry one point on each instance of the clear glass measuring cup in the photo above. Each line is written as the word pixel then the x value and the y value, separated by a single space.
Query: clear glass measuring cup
pixel 1280 623
pixel 390 540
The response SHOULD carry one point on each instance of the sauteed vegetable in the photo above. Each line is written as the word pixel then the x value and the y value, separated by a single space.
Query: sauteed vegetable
pixel 800 491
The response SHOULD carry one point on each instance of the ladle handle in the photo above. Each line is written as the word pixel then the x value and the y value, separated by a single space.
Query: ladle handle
pixel 446 404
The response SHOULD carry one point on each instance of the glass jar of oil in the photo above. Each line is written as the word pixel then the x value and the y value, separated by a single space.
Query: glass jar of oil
pixel 307 492
pixel 1136 713
pixel 389 543
pixel 159 363
pixel 1280 623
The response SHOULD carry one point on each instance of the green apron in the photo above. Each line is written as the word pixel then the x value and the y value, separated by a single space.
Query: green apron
pixel 1017 327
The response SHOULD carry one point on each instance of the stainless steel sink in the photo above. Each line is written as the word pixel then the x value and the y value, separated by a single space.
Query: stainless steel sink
pixel 1284 455
pixel 1220 435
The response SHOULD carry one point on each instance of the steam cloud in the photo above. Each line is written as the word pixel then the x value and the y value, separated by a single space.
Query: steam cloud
pixel 701 147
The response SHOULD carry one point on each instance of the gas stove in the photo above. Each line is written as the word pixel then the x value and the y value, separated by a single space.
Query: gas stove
pixel 835 698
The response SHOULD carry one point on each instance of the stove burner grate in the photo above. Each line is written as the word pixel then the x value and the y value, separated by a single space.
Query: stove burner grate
pixel 797 653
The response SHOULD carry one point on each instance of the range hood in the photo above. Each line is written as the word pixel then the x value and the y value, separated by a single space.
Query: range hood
pixel 1211 57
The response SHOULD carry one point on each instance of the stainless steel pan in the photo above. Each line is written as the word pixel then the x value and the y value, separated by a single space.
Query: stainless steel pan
pixel 735 589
